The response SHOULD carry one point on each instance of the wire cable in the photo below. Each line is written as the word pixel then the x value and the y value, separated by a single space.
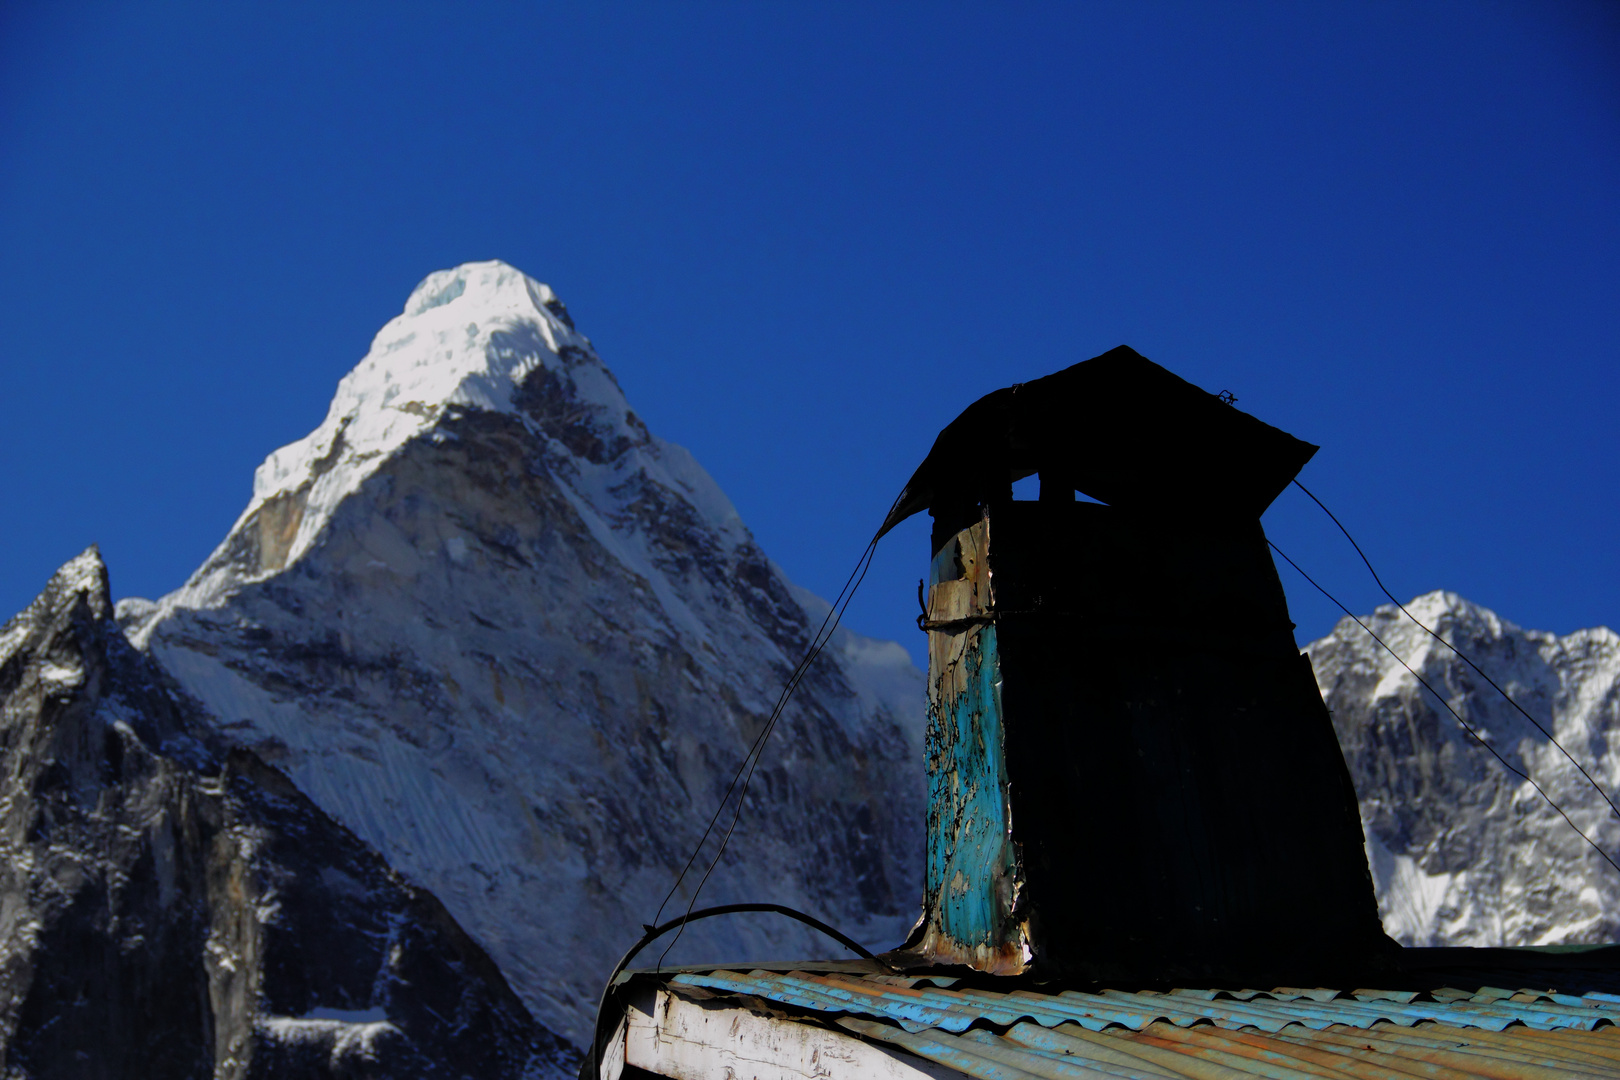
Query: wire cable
pixel 1460 654
pixel 745 769
pixel 835 616
pixel 654 932
pixel 1455 714
pixel 754 747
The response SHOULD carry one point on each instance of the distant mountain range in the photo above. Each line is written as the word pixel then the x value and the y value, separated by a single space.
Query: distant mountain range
pixel 389 783
pixel 1462 851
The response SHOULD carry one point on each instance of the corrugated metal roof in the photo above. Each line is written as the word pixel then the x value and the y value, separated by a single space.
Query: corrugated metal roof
pixel 1283 1033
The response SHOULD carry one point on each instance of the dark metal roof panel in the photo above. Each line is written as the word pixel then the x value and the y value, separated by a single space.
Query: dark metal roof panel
pixel 1119 428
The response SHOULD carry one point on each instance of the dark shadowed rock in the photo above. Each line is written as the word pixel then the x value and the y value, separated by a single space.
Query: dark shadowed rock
pixel 169 908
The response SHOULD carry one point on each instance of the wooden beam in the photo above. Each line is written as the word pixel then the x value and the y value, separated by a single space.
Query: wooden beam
pixel 669 1035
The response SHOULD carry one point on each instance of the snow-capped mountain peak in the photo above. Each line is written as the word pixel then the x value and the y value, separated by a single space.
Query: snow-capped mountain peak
pixel 468 337
pixel 482 337
pixel 517 643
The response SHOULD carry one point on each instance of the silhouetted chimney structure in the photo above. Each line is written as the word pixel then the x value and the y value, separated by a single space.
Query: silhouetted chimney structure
pixel 1131 772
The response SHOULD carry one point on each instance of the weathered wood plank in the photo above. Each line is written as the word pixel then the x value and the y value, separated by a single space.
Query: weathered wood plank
pixel 689 1040
pixel 613 1054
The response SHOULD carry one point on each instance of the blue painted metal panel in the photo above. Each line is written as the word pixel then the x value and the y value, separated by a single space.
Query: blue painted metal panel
pixel 968 815
pixel 972 870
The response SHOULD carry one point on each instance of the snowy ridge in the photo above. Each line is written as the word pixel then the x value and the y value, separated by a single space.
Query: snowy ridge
pixel 468 338
pixel 1462 851
pixel 435 353
pixel 882 673
pixel 517 643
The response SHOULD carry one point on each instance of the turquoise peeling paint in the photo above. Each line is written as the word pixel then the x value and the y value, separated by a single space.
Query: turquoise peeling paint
pixel 971 859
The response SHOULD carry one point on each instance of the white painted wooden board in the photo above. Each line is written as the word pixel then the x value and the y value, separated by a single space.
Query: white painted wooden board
pixel 689 1040
pixel 613 1054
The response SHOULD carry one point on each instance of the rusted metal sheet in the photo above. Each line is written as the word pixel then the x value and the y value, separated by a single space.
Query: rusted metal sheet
pixel 956 1009
pixel 1283 1034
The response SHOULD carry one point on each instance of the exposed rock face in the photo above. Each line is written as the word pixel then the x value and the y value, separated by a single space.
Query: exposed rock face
pixel 518 644
pixel 1462 851
pixel 172 910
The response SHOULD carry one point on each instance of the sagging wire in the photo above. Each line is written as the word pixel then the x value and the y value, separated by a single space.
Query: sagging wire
pixel 745 769
pixel 1448 707
pixel 652 933
pixel 1464 657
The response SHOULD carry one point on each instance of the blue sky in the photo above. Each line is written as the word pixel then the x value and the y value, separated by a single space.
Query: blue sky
pixel 806 236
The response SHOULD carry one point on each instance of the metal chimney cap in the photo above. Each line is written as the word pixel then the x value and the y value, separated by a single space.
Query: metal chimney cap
pixel 1122 430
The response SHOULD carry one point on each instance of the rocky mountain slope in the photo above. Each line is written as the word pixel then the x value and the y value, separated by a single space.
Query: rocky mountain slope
pixel 517 643
pixel 173 908
pixel 1462 851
